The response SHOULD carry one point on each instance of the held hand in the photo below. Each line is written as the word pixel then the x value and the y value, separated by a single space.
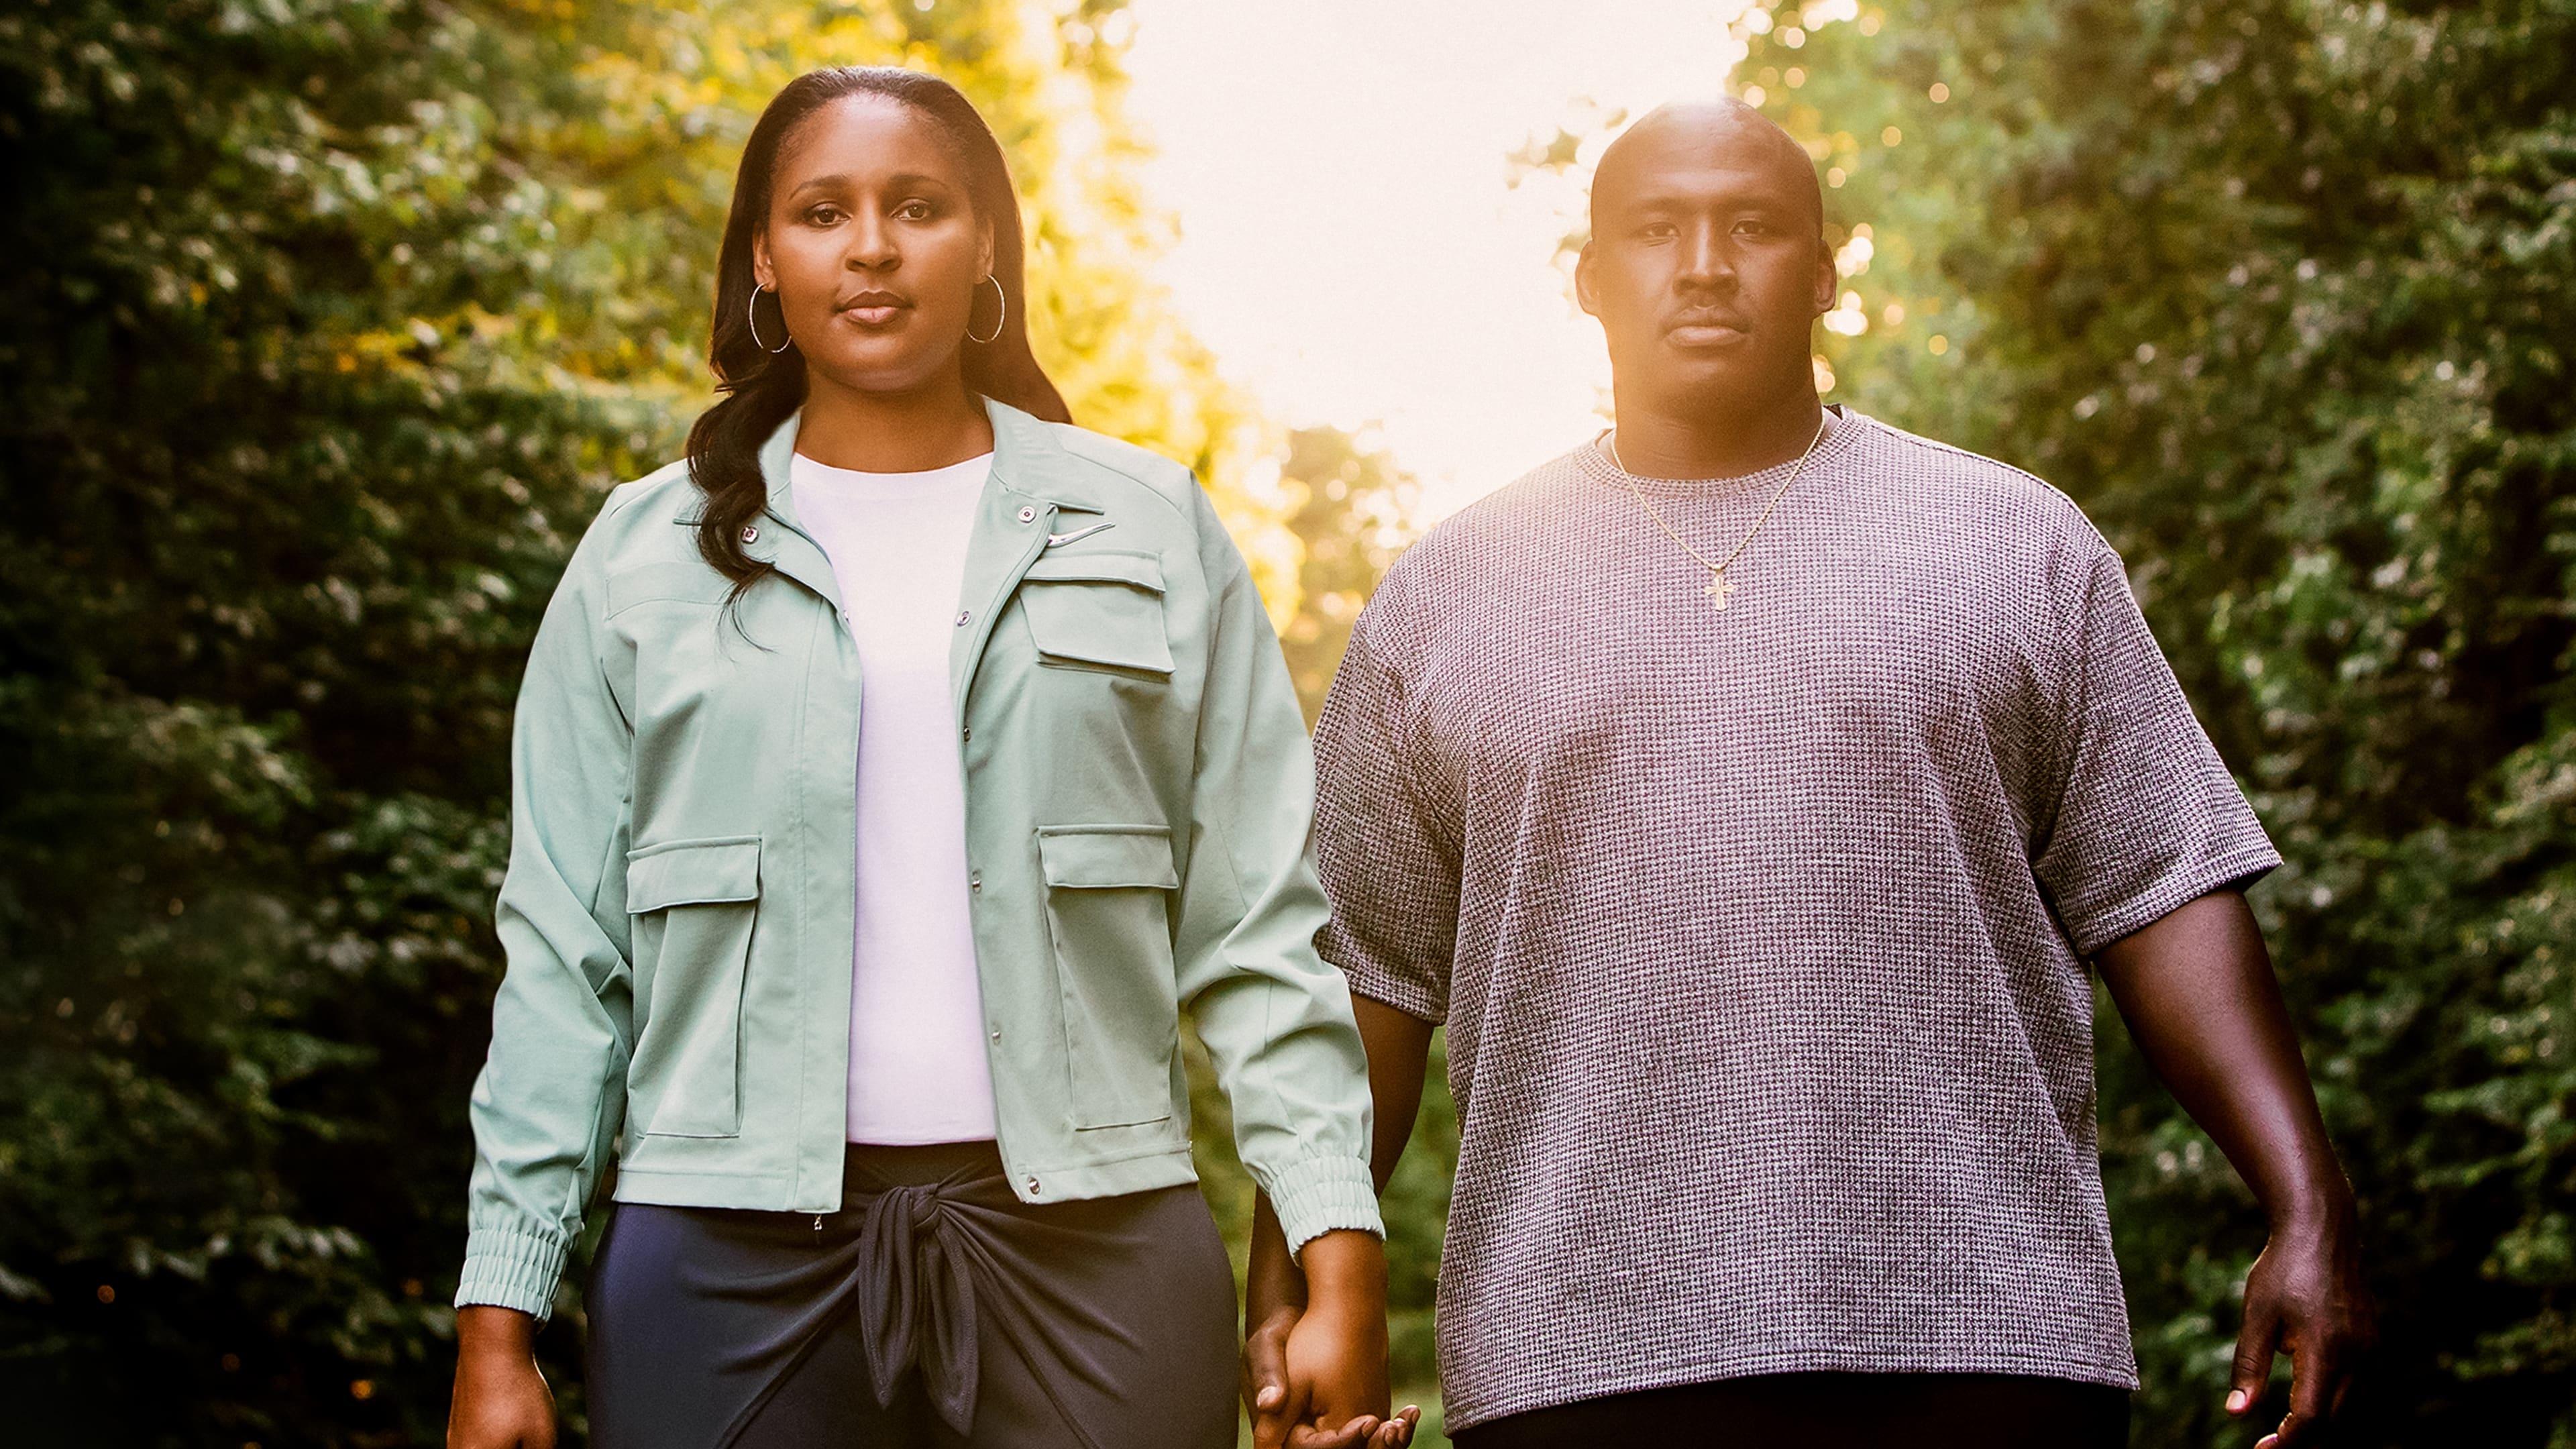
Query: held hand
pixel 1265 1376
pixel 1336 1358
pixel 1283 1405
pixel 501 1400
pixel 1335 1353
pixel 2304 1297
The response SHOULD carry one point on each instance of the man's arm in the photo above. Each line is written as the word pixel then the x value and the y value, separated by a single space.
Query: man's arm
pixel 2197 990
pixel 1399 1051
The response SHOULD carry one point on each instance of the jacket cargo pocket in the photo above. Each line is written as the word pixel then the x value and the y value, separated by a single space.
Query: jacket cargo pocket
pixel 1097 611
pixel 694 903
pixel 1108 893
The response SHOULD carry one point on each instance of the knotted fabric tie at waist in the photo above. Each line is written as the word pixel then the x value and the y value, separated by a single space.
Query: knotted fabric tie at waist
pixel 906 1275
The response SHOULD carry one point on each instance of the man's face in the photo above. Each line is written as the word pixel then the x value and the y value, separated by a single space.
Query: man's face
pixel 1705 266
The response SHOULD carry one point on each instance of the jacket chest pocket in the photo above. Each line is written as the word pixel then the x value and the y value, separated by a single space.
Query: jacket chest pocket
pixel 1108 916
pixel 1095 610
pixel 694 903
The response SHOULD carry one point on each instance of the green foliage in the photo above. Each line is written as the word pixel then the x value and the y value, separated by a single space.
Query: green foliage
pixel 2281 292
pixel 280 510
pixel 1351 516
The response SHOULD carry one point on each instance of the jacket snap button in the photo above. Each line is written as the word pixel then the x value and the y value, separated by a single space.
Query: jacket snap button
pixel 967 733
pixel 962 616
pixel 1033 1187
pixel 750 534
pixel 1028 515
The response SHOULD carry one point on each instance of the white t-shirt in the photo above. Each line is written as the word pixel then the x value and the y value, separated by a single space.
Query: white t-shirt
pixel 897 542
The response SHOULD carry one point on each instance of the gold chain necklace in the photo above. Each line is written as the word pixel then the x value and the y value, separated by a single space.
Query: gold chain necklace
pixel 1718 585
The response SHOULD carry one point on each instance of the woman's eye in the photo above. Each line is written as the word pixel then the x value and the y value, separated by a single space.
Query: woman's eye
pixel 913 211
pixel 823 215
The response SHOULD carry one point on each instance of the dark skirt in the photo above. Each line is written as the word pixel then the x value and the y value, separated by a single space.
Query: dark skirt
pixel 933 1309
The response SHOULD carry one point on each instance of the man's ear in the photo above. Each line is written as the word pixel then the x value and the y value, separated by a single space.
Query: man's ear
pixel 1586 295
pixel 1828 278
pixel 762 273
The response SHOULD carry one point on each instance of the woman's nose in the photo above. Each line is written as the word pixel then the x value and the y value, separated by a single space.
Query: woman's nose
pixel 872 245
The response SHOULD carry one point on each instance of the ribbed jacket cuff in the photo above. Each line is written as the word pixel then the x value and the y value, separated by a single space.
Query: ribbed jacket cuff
pixel 512 1268
pixel 1320 1194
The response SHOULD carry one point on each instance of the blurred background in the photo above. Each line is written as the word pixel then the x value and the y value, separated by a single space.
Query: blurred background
pixel 328 323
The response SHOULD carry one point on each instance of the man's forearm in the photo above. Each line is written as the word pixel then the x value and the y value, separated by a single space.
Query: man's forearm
pixel 2198 993
pixel 1399 1052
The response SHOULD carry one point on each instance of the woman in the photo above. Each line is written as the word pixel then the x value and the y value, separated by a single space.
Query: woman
pixel 888 774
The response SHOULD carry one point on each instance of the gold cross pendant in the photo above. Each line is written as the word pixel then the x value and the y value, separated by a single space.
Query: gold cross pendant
pixel 1718 589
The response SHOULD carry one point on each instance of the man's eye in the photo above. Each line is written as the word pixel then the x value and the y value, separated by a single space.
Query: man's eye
pixel 1655 230
pixel 1753 228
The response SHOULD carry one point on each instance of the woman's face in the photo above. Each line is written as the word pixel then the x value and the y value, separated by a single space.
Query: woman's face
pixel 872 245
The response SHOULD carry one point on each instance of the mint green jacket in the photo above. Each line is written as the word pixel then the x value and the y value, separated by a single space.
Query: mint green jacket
pixel 677 916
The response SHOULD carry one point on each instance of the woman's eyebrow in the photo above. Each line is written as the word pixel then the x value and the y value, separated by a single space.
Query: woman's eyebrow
pixel 906 181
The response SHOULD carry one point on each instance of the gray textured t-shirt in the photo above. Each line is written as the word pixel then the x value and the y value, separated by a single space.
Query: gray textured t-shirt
pixel 1759 933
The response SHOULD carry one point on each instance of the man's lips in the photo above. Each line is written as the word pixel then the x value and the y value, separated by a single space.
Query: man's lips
pixel 1707 329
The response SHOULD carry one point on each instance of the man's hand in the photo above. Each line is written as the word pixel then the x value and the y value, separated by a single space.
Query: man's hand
pixel 501 1400
pixel 2197 990
pixel 2304 1297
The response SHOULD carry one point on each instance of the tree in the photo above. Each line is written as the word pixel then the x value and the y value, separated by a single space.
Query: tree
pixel 1351 511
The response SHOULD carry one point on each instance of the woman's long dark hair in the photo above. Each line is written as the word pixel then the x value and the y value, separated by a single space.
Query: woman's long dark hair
pixel 762 388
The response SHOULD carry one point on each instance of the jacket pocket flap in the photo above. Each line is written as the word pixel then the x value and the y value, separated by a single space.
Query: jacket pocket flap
pixel 1106 857
pixel 693 873
pixel 1093 566
pixel 688 583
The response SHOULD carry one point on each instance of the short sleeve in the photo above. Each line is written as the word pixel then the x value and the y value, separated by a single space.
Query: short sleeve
pixel 1380 847
pixel 2147 816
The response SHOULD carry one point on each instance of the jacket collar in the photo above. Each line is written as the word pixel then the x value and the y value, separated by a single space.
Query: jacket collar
pixel 1027 460
pixel 1028 463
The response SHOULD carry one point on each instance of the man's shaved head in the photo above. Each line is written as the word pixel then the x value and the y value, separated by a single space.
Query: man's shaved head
pixel 1708 268
pixel 1726 132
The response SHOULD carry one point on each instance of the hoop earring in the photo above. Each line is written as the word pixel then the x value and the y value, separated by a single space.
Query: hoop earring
pixel 1005 299
pixel 751 315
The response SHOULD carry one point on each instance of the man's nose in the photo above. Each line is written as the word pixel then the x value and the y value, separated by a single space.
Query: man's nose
pixel 1706 264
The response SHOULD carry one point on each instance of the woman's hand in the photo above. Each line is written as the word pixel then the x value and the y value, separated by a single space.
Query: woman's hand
pixel 1318 1376
pixel 501 1400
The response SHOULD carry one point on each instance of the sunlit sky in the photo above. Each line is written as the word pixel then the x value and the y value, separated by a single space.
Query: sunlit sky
pixel 1351 246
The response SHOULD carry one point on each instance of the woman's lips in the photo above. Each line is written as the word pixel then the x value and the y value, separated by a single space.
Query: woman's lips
pixel 874 314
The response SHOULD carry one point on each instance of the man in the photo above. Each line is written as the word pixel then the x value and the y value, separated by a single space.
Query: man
pixel 1752 834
